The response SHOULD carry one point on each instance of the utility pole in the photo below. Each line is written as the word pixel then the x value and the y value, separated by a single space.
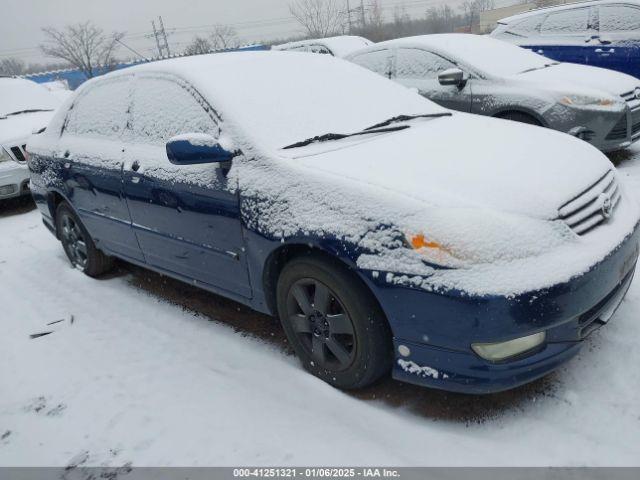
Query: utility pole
pixel 164 35
pixel 362 13
pixel 160 34
pixel 349 18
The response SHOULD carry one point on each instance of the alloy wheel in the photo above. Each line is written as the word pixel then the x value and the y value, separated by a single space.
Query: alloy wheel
pixel 322 324
pixel 74 242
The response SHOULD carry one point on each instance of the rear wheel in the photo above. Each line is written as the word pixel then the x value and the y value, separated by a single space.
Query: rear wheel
pixel 78 245
pixel 333 323
pixel 519 117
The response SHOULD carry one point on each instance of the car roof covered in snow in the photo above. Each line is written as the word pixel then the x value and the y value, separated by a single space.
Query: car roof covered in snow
pixel 485 54
pixel 340 46
pixel 19 95
pixel 566 6
pixel 280 98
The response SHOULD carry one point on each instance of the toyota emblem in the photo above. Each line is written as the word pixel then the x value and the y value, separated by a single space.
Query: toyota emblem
pixel 637 94
pixel 607 207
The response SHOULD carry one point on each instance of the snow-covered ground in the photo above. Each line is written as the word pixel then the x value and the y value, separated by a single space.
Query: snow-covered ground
pixel 130 375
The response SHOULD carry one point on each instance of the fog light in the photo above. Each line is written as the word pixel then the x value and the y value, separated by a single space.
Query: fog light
pixel 495 352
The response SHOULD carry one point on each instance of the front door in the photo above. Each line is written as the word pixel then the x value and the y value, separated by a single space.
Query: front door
pixel 419 69
pixel 186 218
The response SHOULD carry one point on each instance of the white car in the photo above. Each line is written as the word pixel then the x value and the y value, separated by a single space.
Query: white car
pixel 25 106
pixel 339 46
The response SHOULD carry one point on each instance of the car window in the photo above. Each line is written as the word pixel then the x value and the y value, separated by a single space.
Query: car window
pixel 616 18
pixel 101 109
pixel 377 61
pixel 526 27
pixel 420 64
pixel 566 21
pixel 164 107
pixel 319 49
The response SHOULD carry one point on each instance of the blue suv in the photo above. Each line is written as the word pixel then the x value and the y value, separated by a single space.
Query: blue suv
pixel 351 207
pixel 603 33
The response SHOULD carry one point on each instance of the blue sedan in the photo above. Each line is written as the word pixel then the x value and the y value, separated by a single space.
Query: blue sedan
pixel 387 233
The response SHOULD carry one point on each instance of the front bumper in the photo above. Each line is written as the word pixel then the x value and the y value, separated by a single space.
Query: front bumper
pixel 438 329
pixel 14 180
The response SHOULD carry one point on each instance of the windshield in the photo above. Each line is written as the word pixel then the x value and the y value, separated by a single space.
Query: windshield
pixel 19 95
pixel 281 98
pixel 489 55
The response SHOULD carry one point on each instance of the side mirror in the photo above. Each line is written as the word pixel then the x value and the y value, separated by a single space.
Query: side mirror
pixel 452 76
pixel 196 148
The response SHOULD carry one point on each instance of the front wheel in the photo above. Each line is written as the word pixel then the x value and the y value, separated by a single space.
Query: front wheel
pixel 78 245
pixel 333 323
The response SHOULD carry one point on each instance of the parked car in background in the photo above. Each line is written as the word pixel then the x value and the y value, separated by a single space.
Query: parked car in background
pixel 486 76
pixel 25 106
pixel 337 46
pixel 603 33
pixel 463 252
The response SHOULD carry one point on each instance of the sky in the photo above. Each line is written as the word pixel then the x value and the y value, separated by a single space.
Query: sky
pixel 254 20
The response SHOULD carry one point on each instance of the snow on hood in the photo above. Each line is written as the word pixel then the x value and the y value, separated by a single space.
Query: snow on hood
pixel 569 76
pixel 17 95
pixel 16 129
pixel 467 161
pixel 340 46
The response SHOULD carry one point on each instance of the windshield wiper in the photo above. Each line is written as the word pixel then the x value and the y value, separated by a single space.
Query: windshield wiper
pixel 405 118
pixel 540 68
pixel 33 110
pixel 338 136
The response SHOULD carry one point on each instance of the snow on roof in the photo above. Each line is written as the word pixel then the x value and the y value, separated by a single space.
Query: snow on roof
pixel 486 54
pixel 566 6
pixel 340 46
pixel 279 98
pixel 18 95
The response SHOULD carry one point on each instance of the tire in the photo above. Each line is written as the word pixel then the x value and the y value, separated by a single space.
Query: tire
pixel 333 323
pixel 520 117
pixel 78 245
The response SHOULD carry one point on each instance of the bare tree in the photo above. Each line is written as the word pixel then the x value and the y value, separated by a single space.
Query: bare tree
pixel 375 22
pixel 198 46
pixel 12 66
pixel 320 18
pixel 471 10
pixel 83 45
pixel 224 37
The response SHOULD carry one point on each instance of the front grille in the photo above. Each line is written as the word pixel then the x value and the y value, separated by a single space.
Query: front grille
pixel 635 122
pixel 593 206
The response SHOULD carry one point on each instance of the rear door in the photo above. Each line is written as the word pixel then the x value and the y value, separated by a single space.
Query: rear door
pixel 187 217
pixel 91 154
pixel 567 36
pixel 419 69
pixel 618 42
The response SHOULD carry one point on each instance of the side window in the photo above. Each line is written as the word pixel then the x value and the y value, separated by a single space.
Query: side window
pixel 412 63
pixel 101 110
pixel 378 61
pixel 527 27
pixel 619 18
pixel 163 108
pixel 319 49
pixel 566 22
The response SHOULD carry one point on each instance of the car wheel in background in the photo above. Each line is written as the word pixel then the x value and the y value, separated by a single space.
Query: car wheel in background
pixel 78 245
pixel 333 323
pixel 519 117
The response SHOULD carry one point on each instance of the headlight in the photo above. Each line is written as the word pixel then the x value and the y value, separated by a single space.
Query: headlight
pixel 588 101
pixel 4 156
pixel 495 352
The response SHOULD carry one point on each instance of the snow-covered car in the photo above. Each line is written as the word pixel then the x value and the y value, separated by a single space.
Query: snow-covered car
pixel 339 46
pixel 356 214
pixel 602 33
pixel 24 107
pixel 486 76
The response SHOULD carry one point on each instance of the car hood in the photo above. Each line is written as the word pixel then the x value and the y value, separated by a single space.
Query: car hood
pixel 17 128
pixel 465 161
pixel 567 77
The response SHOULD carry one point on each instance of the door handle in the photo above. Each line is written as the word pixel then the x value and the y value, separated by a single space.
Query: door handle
pixel 600 50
